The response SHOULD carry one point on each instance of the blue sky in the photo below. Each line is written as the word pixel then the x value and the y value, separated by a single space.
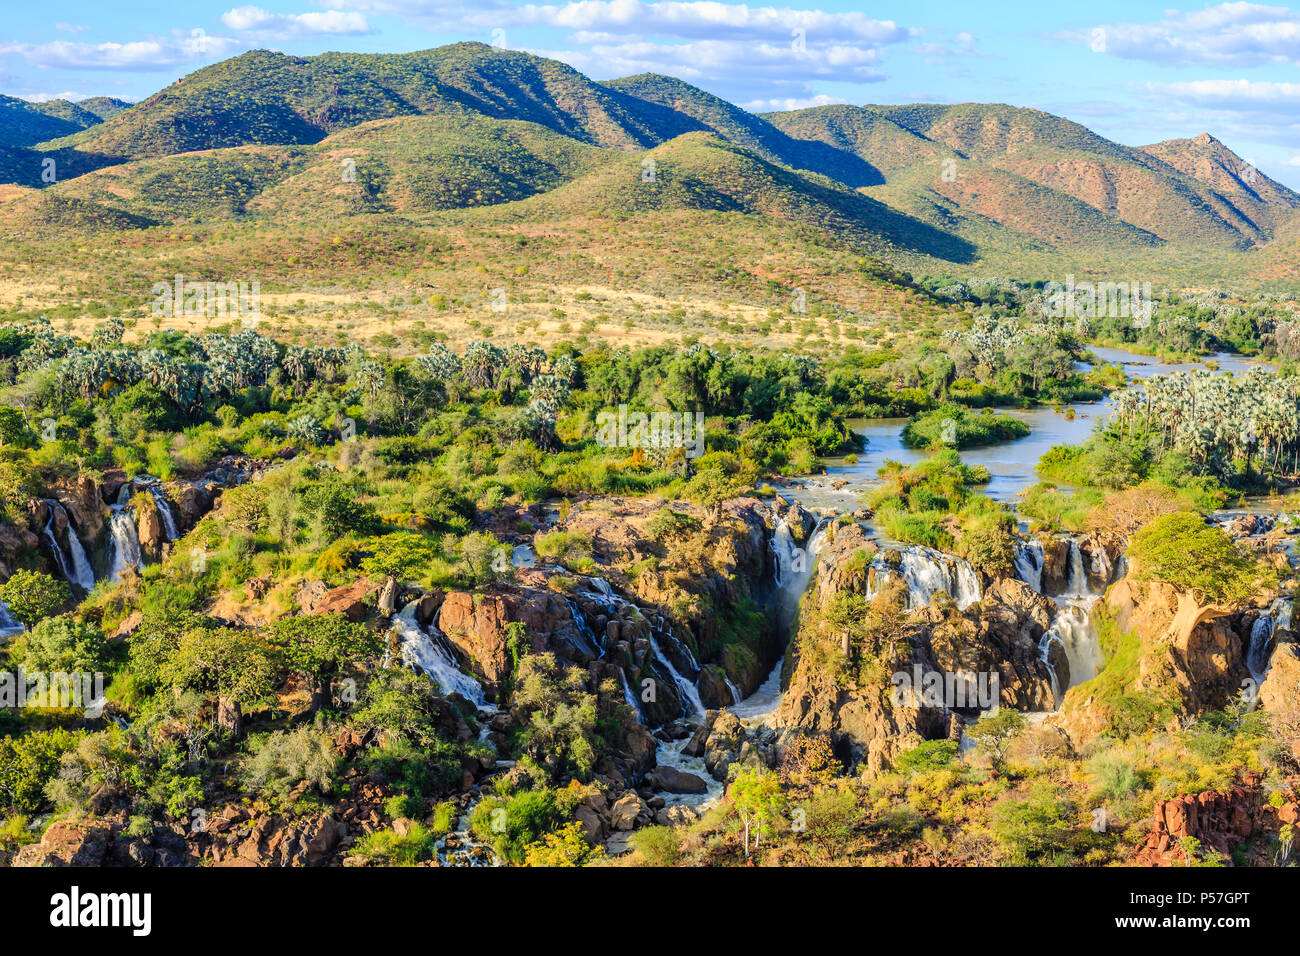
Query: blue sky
pixel 1137 72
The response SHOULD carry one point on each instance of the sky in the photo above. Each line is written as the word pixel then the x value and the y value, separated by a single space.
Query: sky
pixel 1136 72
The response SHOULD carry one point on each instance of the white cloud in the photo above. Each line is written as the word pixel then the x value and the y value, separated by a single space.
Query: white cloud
pixel 70 28
pixel 755 52
pixel 1234 94
pixel 1230 34
pixel 700 20
pixel 152 54
pixel 1294 160
pixel 791 103
pixel 48 97
pixel 741 65
pixel 331 22
pixel 679 19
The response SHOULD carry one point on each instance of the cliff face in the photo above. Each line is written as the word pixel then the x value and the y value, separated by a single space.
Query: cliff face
pixel 994 638
pixel 699 578
pixel 652 605
pixel 1192 657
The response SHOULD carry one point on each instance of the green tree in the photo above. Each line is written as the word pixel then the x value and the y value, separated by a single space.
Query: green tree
pixel 756 794
pixel 64 644
pixel 320 646
pixel 566 846
pixel 33 595
pixel 234 666
pixel 994 734
pixel 1197 558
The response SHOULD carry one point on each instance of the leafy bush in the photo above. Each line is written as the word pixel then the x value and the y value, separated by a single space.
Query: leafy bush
pixel 1182 550
pixel 33 595
pixel 285 758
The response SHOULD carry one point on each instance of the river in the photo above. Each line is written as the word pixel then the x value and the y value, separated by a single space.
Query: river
pixel 1010 463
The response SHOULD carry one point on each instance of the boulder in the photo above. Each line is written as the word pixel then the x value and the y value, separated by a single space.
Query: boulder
pixel 593 827
pixel 629 812
pixel 149 527
pixel 348 600
pixel 675 816
pixel 672 780
pixel 69 843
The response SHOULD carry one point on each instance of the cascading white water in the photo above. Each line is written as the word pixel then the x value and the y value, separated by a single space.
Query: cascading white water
pixel 605 595
pixel 687 687
pixel 126 544
pixel 1076 585
pixel 580 622
pixel 164 510
pixel 52 539
pixel 1259 652
pixel 80 572
pixel 763 701
pixel 630 698
pixel 81 568
pixel 1074 631
pixel 1044 653
pixel 429 652
pixel 927 572
pixel 785 551
pixel 736 696
pixel 9 625
pixel 794 570
pixel 1029 563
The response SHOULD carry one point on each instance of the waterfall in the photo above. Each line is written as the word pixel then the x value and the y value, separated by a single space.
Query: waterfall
pixel 580 622
pixel 81 568
pixel 53 540
pixel 764 700
pixel 632 700
pixel 1045 655
pixel 736 696
pixel 928 572
pixel 794 569
pixel 1074 631
pixel 9 625
pixel 785 551
pixel 1077 583
pixel 1257 654
pixel 428 650
pixel 80 573
pixel 164 510
pixel 687 687
pixel 1259 651
pixel 126 544
pixel 1029 563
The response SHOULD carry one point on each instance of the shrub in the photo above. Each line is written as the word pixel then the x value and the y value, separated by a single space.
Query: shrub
pixel 33 595
pixel 28 763
pixel 64 644
pixel 659 846
pixel 388 848
pixel 1180 549
pixel 285 758
pixel 927 756
pixel 566 846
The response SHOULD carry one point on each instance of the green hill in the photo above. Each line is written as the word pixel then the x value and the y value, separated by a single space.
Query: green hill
pixel 1056 168
pixel 263 98
pixel 745 129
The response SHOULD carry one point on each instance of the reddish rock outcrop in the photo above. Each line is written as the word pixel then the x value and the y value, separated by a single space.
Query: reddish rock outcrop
pixel 1218 820
pixel 348 600
pixel 69 843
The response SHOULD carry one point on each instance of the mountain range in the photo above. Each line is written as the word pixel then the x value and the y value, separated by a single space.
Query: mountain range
pixel 284 138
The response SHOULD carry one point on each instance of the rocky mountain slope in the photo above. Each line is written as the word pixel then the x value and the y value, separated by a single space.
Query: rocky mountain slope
pixel 265 135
